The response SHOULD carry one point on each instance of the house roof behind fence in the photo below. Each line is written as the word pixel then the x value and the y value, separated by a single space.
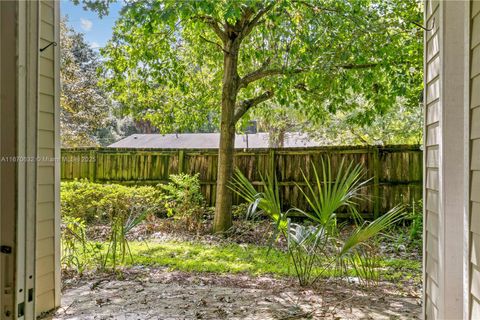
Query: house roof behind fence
pixel 210 141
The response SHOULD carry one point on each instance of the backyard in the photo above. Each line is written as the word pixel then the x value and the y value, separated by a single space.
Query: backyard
pixel 326 227
pixel 148 251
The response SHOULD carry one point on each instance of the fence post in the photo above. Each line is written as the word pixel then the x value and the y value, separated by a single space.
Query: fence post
pixel 92 165
pixel 181 161
pixel 376 183
pixel 271 163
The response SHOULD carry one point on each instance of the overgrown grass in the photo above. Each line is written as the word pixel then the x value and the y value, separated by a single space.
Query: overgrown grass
pixel 236 258
pixel 231 258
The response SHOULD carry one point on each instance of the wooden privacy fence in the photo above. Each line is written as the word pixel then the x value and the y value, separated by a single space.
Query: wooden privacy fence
pixel 394 172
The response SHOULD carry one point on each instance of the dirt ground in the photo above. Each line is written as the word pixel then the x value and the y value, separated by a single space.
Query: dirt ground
pixel 159 294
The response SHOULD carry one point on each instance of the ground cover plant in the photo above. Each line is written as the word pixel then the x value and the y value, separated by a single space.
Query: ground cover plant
pixel 233 258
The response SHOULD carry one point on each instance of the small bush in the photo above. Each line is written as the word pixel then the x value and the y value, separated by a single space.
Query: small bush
pixel 185 201
pixel 119 207
pixel 94 202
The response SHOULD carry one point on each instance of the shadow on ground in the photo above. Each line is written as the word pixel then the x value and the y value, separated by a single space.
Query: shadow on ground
pixel 158 294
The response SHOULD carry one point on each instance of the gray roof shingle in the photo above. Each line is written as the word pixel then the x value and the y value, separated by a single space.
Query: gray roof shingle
pixel 209 141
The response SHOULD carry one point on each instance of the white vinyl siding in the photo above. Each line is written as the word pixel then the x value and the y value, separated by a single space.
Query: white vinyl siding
pixel 444 142
pixel 432 139
pixel 474 272
pixel 47 285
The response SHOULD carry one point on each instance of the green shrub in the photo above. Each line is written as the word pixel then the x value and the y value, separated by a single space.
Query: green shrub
pixel 185 201
pixel 120 207
pixel 96 202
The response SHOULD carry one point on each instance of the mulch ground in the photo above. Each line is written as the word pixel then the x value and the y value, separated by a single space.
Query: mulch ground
pixel 156 293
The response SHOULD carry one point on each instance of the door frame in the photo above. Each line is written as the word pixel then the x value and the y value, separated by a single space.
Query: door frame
pixel 18 150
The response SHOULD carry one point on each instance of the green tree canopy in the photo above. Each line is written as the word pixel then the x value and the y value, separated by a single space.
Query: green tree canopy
pixel 403 124
pixel 165 61
pixel 180 64
pixel 84 105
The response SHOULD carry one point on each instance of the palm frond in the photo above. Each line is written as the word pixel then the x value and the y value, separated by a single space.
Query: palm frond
pixel 369 230
pixel 326 195
pixel 268 201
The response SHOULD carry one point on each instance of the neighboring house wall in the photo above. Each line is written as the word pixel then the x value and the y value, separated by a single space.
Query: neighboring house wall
pixel 444 199
pixel 474 272
pixel 48 215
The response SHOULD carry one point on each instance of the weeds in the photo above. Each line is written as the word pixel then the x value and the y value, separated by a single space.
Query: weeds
pixel 185 201
pixel 364 263
pixel 77 252
pixel 118 246
pixel 416 225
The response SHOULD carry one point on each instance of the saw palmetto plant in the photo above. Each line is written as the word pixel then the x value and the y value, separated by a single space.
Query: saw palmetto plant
pixel 314 249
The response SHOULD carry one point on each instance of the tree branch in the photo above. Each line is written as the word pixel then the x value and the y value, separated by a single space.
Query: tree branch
pixel 242 107
pixel 215 43
pixel 263 72
pixel 359 136
pixel 255 21
pixel 358 66
pixel 215 26
pixel 259 74
pixel 247 14
pixel 303 87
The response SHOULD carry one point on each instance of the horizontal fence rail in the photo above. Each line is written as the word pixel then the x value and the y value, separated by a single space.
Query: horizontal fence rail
pixel 394 173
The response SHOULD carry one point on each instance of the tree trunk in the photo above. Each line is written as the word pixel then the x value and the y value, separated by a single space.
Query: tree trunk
pixel 276 137
pixel 223 207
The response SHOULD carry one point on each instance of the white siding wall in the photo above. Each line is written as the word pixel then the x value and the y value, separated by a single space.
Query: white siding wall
pixel 475 161
pixel 47 179
pixel 432 141
pixel 444 189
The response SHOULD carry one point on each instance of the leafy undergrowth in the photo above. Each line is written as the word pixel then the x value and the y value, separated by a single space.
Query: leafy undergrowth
pixel 244 258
